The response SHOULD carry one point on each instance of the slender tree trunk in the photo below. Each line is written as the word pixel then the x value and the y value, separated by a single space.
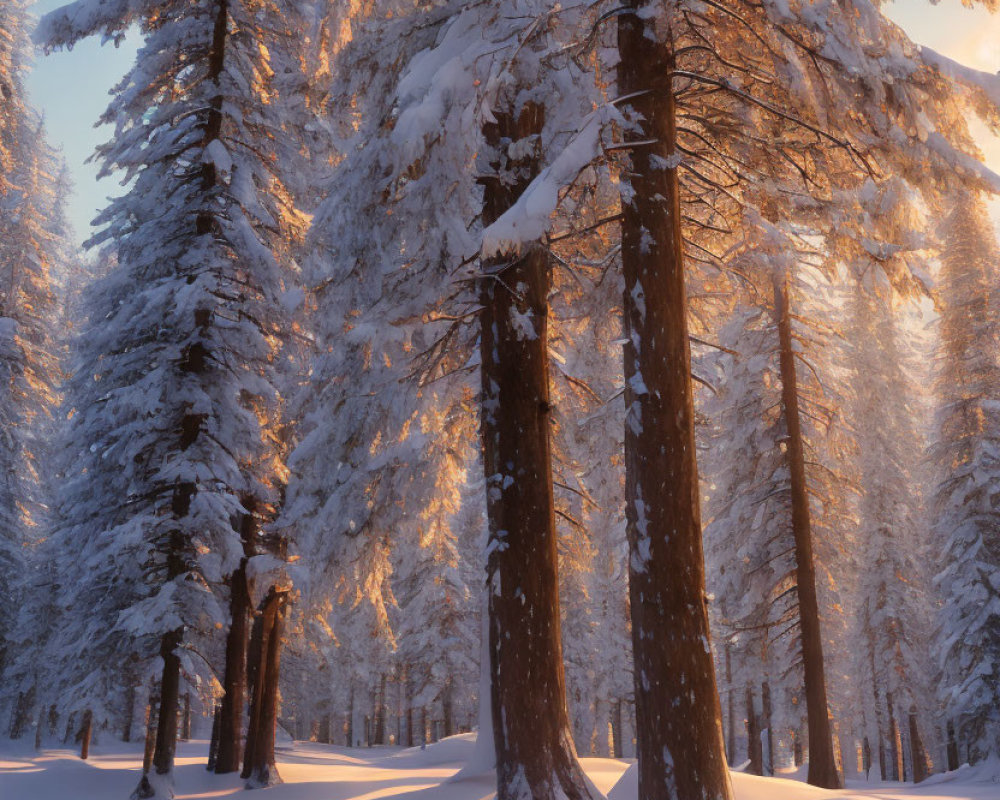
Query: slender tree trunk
pixel 755 753
pixel 798 751
pixel 259 767
pixel 423 726
pixel 535 757
pixel 152 709
pixel 68 734
pixel 129 709
pixel 380 711
pixel 86 730
pixel 765 704
pixel 213 744
pixel 894 750
pixel 165 743
pixel 185 732
pixel 616 729
pixel 822 764
pixel 681 751
pixel 918 755
pixel 447 711
pixel 39 728
pixel 731 706
pixel 952 748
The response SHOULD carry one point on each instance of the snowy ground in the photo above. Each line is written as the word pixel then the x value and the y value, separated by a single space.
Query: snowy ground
pixel 323 772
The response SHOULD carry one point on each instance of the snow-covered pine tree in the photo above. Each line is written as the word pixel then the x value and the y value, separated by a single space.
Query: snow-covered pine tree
pixel 459 98
pixel 965 453
pixel 437 629
pixel 34 247
pixel 183 355
pixel 892 601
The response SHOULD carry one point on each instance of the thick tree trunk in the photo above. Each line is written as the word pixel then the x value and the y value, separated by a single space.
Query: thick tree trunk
pixel 681 751
pixel 259 767
pixel 86 731
pixel 755 753
pixel 918 755
pixel 535 757
pixel 822 764
pixel 234 682
pixel 323 730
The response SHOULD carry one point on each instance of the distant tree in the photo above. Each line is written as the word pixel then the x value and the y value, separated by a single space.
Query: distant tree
pixel 967 492
pixel 34 248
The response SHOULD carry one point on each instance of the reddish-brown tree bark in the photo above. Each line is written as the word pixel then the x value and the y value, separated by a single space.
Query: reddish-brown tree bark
pixel 822 764
pixel 258 766
pixel 535 757
pixel 680 748
pixel 918 755
pixel 237 639
pixel 86 731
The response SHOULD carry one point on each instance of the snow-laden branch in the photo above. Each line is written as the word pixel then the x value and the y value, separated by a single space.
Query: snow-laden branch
pixel 531 216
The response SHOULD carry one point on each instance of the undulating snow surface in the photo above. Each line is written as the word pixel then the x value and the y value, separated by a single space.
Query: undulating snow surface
pixel 326 772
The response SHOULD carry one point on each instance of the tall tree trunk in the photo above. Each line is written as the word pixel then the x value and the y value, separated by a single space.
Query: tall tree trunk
pixel 185 731
pixel 68 733
pixel 86 731
pixel 918 755
pixel 161 759
pixel 447 710
pixel 894 748
pixel 616 729
pixel 213 744
pixel 323 731
pixel 755 753
pixel 152 709
pixel 234 682
pixel 535 757
pixel 681 751
pixel 768 752
pixel 259 768
pixel 822 764
pixel 39 727
pixel 129 709
pixel 952 748
pixel 731 704
pixel 380 711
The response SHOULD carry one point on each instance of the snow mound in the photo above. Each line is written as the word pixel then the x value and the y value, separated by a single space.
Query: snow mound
pixel 451 750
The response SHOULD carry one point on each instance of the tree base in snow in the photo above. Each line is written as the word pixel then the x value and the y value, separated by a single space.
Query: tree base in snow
pixel 263 777
pixel 154 787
